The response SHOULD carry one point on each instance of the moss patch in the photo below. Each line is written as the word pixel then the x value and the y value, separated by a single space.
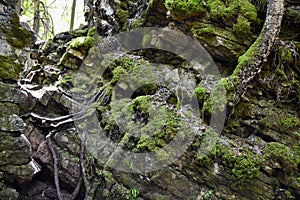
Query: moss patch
pixel 233 13
pixel 9 69
pixel 277 152
pixel 82 43
pixel 18 36
pixel 246 167
pixel 186 9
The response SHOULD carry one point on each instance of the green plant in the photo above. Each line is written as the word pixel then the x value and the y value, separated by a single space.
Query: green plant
pixel 132 194
pixel 208 194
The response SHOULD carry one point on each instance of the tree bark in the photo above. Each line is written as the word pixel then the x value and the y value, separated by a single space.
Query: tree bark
pixel 36 18
pixel 251 62
pixel 72 15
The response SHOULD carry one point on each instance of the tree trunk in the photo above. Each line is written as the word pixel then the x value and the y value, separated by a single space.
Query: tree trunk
pixel 251 62
pixel 72 15
pixel 36 19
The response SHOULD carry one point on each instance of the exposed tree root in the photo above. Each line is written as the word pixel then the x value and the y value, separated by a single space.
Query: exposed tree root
pixel 55 159
pixel 55 171
pixel 55 122
pixel 251 62
pixel 82 159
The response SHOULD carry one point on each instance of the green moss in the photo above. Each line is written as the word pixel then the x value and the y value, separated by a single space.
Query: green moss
pixel 108 177
pixel 66 80
pixel 246 167
pixel 200 92
pixel 219 38
pixel 19 37
pixel 132 194
pixel 68 60
pixel 47 45
pixel 296 149
pixel 138 23
pixel 290 121
pixel 153 128
pixel 230 9
pixel 80 32
pixel 158 131
pixel 147 143
pixel 293 13
pixel 239 15
pixel 207 148
pixel 221 10
pixel 217 101
pixel 92 31
pixel 117 74
pixel 218 96
pixel 82 43
pixel 9 69
pixel 250 54
pixel 281 72
pixel 242 26
pixel 285 54
pixel 248 57
pixel 123 15
pixel 209 154
pixel 121 67
pixel 185 9
pixel 277 152
pixel 142 104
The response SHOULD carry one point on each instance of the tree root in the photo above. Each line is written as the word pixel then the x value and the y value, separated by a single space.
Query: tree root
pixel 55 171
pixel 55 122
pixel 55 159
pixel 251 62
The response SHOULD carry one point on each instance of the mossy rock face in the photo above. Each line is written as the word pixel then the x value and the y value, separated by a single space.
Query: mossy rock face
pixel 186 9
pixel 13 37
pixel 156 13
pixel 227 28
pixel 9 69
pixel 17 35
pixel 14 150
pixel 279 157
pixel 222 43
pixel 124 12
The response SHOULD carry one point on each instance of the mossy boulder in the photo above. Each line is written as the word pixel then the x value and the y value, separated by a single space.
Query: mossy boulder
pixel 82 44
